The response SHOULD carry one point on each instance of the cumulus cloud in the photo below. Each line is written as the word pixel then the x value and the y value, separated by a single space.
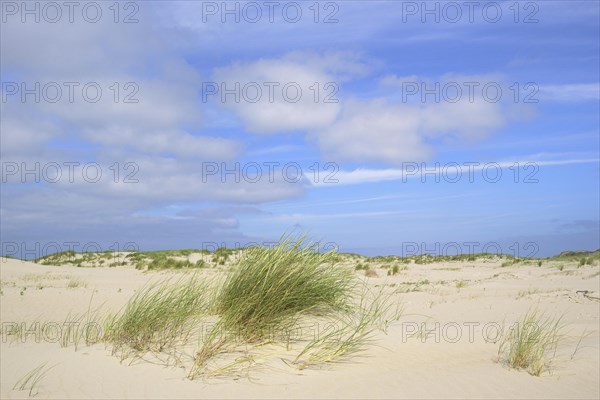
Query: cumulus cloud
pixel 296 92
pixel 392 133
pixel 162 132
pixel 372 131
pixel 141 94
pixel 387 129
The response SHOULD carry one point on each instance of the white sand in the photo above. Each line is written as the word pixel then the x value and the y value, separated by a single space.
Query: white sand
pixel 396 367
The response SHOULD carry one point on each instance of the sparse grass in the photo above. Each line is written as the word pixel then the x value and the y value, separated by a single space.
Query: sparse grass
pixel 221 255
pixel 585 261
pixel 157 316
pixel 354 331
pixel 166 259
pixel 361 266
pixel 424 259
pixel 31 380
pixel 577 256
pixel 531 343
pixel 76 328
pixel 169 263
pixel 88 259
pixel 578 346
pixel 595 274
pixel 13 330
pixel 408 287
pixel 57 258
pixel 75 283
pixel 461 284
pixel 371 273
pixel 528 292
pixel 395 269
pixel 570 272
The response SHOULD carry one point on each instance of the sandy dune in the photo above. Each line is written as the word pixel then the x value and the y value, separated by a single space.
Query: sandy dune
pixel 460 303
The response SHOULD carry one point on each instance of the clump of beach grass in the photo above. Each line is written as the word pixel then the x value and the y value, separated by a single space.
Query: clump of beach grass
pixel 158 317
pixel 272 287
pixel 395 269
pixel 531 343
pixel 371 273
pixel 75 283
pixel 461 284
pixel 361 266
pixel 269 294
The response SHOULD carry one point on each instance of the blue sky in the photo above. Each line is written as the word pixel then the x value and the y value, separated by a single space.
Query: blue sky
pixel 375 138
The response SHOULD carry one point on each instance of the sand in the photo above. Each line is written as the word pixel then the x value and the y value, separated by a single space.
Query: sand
pixel 458 359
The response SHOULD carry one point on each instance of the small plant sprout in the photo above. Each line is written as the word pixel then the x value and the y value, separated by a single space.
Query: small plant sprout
pixel 31 380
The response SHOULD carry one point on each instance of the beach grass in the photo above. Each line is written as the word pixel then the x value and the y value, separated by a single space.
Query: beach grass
pixel 273 287
pixel 31 380
pixel 272 291
pixel 531 343
pixel 158 316
pixel 265 296
pixel 353 332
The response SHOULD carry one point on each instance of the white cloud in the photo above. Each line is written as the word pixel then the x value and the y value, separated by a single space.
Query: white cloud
pixel 383 130
pixel 394 80
pixel 164 133
pixel 21 136
pixel 393 133
pixel 465 119
pixel 571 92
pixel 317 76
pixel 373 131
pixel 167 113
pixel 413 170
pixel 71 50
pixel 170 142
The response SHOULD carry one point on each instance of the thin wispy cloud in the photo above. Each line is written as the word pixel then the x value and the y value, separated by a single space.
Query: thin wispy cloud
pixel 416 170
pixel 571 92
